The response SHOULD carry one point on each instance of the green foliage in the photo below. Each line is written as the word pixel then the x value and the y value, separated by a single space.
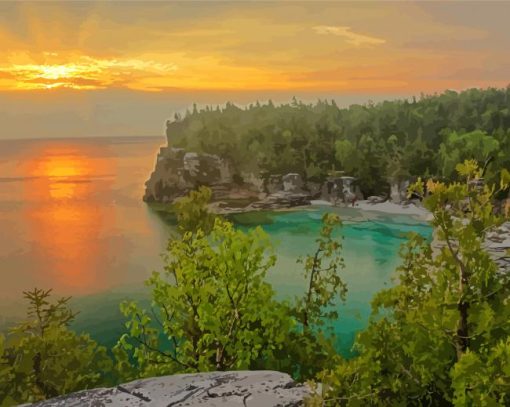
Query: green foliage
pixel 485 374
pixel 376 143
pixel 41 358
pixel 192 211
pixel 212 309
pixel 475 145
pixel 310 348
pixel 322 274
pixel 441 335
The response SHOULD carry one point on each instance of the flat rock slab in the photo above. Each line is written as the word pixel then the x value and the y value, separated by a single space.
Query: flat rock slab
pixel 229 389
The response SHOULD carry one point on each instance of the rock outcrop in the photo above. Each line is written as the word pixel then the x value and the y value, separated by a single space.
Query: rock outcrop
pixel 292 182
pixel 497 245
pixel 341 189
pixel 281 199
pixel 398 191
pixel 177 172
pixel 285 191
pixel 228 389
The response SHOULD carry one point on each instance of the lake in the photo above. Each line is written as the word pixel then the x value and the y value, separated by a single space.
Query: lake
pixel 72 219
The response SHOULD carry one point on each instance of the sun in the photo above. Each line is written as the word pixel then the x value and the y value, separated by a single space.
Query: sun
pixel 85 72
pixel 49 76
pixel 56 71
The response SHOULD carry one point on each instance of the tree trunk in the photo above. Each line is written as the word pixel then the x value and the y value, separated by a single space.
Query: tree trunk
pixel 463 307
pixel 462 331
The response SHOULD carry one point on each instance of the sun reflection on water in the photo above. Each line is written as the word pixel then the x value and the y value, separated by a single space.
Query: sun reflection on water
pixel 65 171
pixel 68 220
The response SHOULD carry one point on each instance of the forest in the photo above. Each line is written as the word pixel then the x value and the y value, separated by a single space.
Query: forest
pixel 376 143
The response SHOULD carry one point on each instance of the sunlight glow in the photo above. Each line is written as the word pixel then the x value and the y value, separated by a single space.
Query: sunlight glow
pixel 64 173
pixel 68 208
pixel 84 73
pixel 249 46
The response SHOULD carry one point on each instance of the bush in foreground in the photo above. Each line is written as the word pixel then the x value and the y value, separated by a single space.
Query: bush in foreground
pixel 42 358
pixel 441 336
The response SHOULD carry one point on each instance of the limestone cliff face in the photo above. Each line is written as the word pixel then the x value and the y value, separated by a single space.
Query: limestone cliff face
pixel 242 388
pixel 177 172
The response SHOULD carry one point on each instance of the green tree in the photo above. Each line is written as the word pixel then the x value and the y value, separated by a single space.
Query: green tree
pixel 212 309
pixel 476 145
pixel 441 335
pixel 346 154
pixel 41 358
pixel 325 285
pixel 193 213
pixel 310 347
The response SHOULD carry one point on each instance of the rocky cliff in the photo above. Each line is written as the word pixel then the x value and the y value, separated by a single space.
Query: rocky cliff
pixel 177 172
pixel 229 389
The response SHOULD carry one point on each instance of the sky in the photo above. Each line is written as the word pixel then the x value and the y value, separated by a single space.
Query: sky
pixel 75 69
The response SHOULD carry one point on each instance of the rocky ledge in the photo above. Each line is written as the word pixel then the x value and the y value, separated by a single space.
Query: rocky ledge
pixel 177 172
pixel 243 388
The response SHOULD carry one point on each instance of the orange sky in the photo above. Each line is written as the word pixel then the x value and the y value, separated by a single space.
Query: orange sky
pixel 267 48
pixel 258 45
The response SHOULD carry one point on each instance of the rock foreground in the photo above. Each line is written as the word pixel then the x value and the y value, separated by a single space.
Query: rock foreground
pixel 243 388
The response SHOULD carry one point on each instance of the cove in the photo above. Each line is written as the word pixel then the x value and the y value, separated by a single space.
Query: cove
pixel 371 243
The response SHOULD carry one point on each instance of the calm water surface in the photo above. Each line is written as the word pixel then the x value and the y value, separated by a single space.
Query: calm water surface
pixel 71 216
pixel 72 219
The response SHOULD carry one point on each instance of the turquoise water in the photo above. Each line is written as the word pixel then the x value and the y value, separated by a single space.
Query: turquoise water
pixel 371 243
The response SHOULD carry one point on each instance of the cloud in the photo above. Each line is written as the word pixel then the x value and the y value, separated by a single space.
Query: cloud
pixel 349 36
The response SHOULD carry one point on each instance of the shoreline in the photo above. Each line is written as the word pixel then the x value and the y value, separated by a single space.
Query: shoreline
pixel 387 207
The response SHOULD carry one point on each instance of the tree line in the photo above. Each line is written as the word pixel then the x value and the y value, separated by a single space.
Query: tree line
pixel 377 143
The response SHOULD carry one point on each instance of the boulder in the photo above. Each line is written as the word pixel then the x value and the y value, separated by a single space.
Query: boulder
pixel 228 389
pixel 398 191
